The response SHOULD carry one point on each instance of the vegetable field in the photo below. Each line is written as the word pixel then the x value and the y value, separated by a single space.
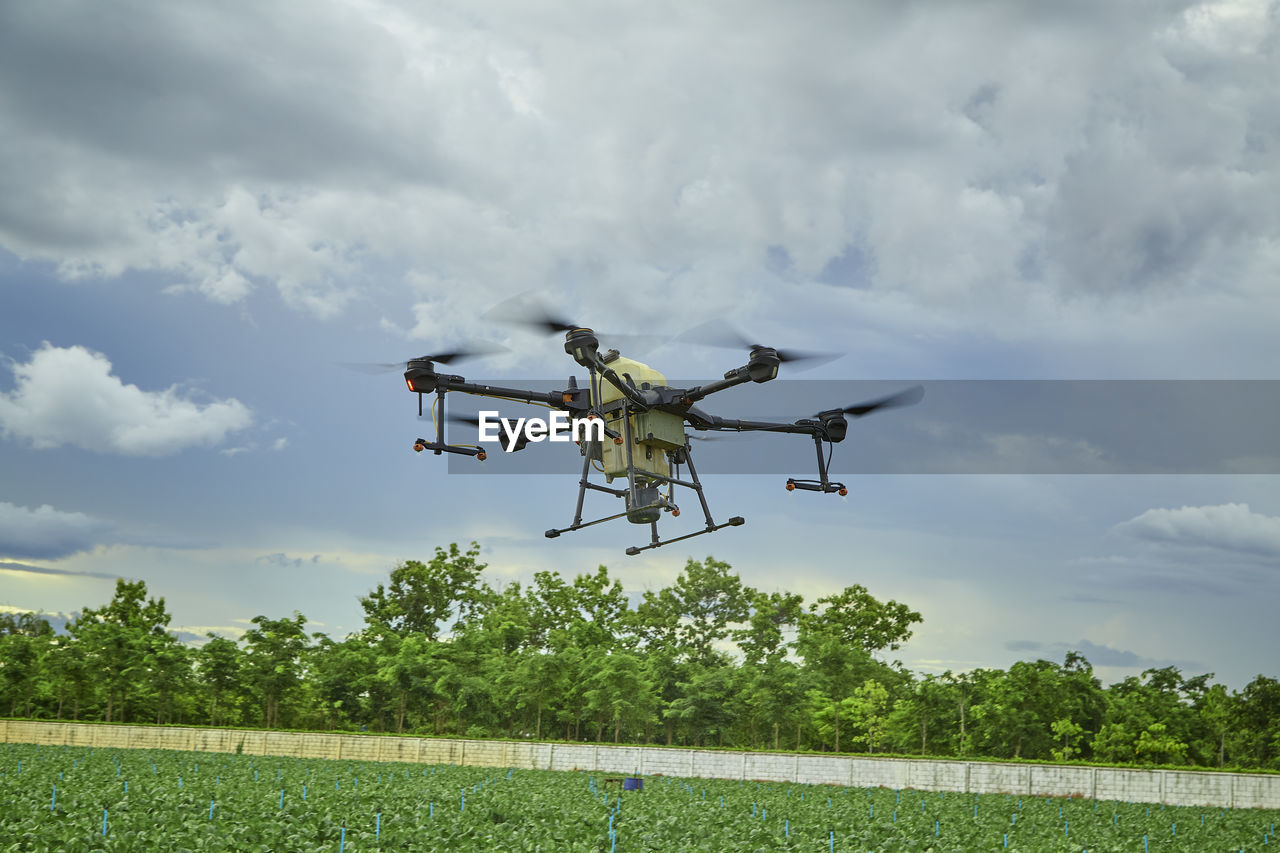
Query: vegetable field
pixel 71 799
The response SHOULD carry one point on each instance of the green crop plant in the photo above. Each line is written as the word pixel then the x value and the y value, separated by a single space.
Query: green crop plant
pixel 73 799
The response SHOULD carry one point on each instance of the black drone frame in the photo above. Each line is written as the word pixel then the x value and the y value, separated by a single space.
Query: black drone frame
pixel 643 499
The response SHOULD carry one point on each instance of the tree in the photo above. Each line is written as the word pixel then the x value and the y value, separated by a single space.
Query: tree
pixel 838 636
pixel 868 711
pixel 618 691
pixel 921 715
pixel 273 658
pixel 1158 745
pixel 1259 723
pixel 695 613
pixel 345 680
pixel 536 680
pixel 773 615
pixel 167 677
pixel 117 638
pixel 1219 711
pixel 1068 735
pixel 709 703
pixel 771 695
pixel 219 663
pixel 1015 709
pixel 25 640
pixel 423 596
pixel 1134 705
pixel 410 674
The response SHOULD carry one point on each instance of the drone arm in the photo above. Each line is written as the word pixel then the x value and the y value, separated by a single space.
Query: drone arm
pixel 703 421
pixel 731 379
pixel 572 400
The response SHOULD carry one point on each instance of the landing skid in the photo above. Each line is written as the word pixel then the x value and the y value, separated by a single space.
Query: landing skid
pixel 631 495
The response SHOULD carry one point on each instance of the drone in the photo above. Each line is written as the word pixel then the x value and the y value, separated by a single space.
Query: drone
pixel 630 426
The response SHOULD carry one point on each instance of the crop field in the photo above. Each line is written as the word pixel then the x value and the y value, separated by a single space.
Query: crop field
pixel 71 799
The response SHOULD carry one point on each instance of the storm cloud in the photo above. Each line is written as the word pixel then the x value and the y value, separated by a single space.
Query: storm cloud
pixel 49 534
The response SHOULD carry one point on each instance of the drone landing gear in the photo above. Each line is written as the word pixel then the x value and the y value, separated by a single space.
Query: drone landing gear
pixel 638 510
pixel 816 486
pixel 823 483
pixel 710 528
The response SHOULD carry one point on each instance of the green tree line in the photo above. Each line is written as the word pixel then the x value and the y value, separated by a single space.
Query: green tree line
pixel 707 661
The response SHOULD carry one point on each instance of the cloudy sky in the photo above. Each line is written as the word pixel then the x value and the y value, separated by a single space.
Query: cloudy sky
pixel 205 211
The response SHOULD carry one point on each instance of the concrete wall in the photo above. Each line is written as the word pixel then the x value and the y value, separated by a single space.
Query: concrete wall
pixel 1173 787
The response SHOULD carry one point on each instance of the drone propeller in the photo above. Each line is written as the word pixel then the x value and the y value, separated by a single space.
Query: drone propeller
pixel 909 397
pixel 527 311
pixel 719 333
pixel 472 351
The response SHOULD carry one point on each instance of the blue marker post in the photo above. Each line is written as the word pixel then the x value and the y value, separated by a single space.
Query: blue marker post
pixel 53 802
pixel 104 821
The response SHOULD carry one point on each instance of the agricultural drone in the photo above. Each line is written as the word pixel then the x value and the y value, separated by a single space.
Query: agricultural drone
pixel 630 425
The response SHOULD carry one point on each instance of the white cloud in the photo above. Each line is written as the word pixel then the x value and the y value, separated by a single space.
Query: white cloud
pixel 46 533
pixel 69 396
pixel 1229 527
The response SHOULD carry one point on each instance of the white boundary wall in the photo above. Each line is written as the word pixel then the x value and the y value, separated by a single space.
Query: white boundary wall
pixel 1172 787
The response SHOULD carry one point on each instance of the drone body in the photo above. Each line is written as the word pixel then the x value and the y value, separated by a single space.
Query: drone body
pixel 641 438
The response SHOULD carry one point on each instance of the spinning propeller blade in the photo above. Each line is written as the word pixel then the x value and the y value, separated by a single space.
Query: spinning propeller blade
pixel 528 311
pixel 476 350
pixel 719 333
pixel 525 309
pixel 909 397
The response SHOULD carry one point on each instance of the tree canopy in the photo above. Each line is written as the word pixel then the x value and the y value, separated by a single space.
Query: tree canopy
pixel 706 661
